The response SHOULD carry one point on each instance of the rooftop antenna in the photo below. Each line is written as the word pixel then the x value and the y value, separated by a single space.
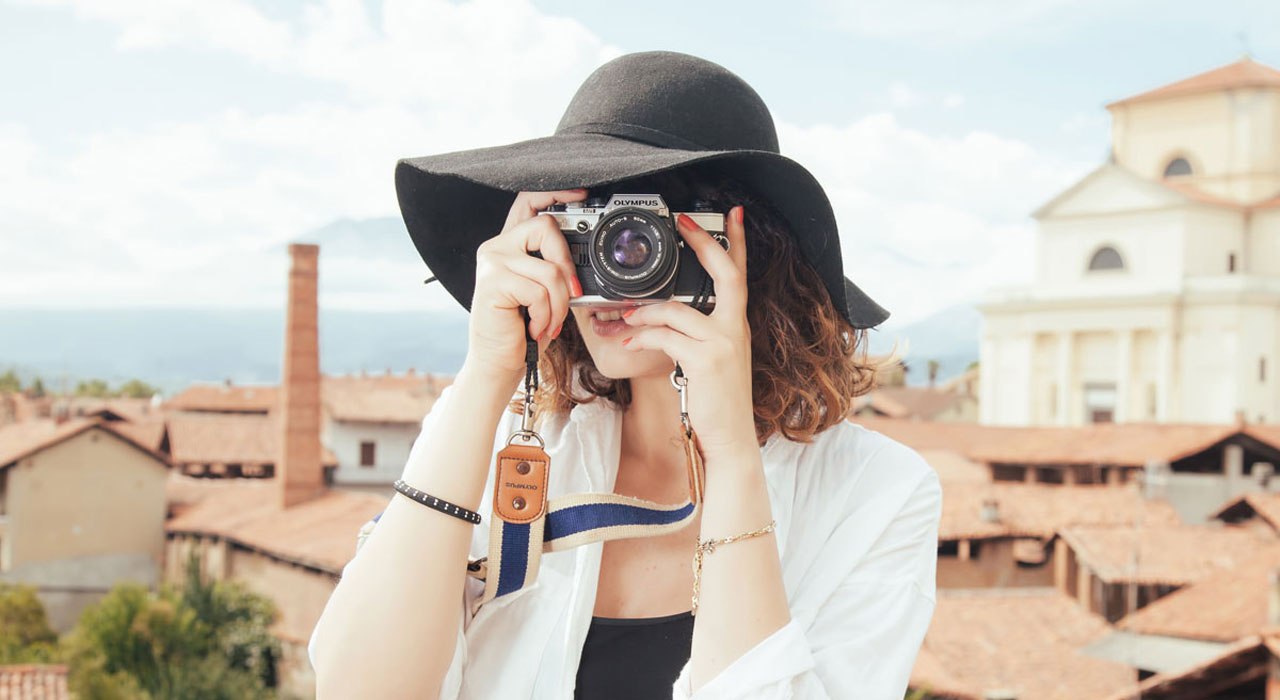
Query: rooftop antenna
pixel 1243 37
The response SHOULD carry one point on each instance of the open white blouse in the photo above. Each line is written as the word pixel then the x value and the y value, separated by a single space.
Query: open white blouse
pixel 857 528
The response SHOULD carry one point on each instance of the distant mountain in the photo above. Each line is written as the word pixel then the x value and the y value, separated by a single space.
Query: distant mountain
pixel 950 336
pixel 172 348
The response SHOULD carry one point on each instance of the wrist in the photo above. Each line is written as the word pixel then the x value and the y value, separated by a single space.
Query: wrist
pixel 486 381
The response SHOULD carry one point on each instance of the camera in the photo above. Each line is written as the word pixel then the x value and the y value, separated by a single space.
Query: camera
pixel 627 250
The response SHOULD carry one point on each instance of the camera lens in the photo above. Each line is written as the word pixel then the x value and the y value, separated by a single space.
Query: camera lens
pixel 631 249
pixel 633 253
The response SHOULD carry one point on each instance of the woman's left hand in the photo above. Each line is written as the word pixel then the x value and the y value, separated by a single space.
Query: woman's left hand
pixel 714 350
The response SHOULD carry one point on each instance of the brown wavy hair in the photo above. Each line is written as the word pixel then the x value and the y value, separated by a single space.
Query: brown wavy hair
pixel 808 363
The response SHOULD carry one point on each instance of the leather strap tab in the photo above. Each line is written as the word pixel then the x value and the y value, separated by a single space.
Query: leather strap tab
pixel 520 494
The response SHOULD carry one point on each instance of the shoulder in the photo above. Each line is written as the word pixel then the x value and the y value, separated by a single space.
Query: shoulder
pixel 853 471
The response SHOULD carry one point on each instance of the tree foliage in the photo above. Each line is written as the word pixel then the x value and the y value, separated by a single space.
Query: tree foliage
pixel 203 641
pixel 25 634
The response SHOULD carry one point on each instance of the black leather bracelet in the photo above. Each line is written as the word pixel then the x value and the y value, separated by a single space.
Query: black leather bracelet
pixel 439 504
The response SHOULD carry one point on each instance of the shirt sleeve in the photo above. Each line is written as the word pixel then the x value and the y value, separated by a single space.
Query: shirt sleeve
pixel 863 640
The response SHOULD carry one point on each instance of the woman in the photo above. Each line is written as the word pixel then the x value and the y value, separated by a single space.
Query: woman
pixel 828 585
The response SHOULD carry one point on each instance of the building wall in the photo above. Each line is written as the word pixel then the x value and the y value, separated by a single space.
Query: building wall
pixel 993 567
pixel 88 495
pixel 1231 138
pixel 81 516
pixel 392 443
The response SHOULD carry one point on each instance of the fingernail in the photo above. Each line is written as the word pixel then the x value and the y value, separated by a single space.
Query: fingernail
pixel 556 332
pixel 626 340
pixel 577 286
pixel 685 221
pixel 629 311
pixel 737 214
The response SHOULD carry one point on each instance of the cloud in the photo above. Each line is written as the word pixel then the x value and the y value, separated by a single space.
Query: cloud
pixel 198 212
pixel 929 220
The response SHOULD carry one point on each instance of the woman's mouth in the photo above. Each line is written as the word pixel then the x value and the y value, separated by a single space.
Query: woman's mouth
pixel 607 322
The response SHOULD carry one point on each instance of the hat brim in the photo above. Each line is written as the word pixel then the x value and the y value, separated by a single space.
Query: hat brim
pixel 451 202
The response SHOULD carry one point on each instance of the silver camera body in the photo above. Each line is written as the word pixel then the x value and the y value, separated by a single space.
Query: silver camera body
pixel 627 250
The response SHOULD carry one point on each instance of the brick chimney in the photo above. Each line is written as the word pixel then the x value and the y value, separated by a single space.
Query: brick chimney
pixel 299 476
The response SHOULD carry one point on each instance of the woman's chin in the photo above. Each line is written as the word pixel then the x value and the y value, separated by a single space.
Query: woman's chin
pixel 628 364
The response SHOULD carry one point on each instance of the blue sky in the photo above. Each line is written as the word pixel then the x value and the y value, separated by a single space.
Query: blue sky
pixel 163 154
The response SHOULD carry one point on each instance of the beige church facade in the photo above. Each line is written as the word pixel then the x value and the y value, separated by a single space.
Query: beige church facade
pixel 1156 294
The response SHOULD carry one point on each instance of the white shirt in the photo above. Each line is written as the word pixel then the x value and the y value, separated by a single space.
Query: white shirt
pixel 857 530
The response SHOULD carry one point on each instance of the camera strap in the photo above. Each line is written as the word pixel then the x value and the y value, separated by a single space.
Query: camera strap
pixel 524 523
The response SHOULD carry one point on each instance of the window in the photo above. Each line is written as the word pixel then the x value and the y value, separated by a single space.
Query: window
pixel 366 453
pixel 949 548
pixel 1106 258
pixel 1177 166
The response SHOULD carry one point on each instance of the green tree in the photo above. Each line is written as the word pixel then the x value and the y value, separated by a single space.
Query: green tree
pixel 37 388
pixel 137 389
pixel 207 641
pixel 92 387
pixel 9 382
pixel 25 634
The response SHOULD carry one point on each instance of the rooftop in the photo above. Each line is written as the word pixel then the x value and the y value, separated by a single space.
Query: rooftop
pixel 1225 606
pixel 33 682
pixel 319 533
pixel 1026 641
pixel 1040 510
pixel 1166 554
pixel 1244 73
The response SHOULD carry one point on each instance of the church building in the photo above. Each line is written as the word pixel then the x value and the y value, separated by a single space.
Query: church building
pixel 1156 292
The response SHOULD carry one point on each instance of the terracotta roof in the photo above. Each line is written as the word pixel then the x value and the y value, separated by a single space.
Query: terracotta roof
pixel 1040 510
pixel 22 439
pixel 319 533
pixel 1168 554
pixel 1025 640
pixel 1191 191
pixel 225 398
pixel 392 398
pixel 33 682
pixel 917 402
pixel 1240 662
pixel 227 438
pixel 381 399
pixel 1245 73
pixel 1223 607
pixel 953 466
pixel 1261 504
pixel 1116 444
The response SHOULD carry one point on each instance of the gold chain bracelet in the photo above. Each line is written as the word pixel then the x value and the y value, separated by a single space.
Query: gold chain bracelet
pixel 709 546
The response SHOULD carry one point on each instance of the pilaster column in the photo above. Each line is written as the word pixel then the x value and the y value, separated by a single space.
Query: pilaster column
pixel 1065 380
pixel 1124 358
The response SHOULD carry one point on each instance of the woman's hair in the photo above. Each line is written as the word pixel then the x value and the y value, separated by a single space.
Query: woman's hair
pixel 808 363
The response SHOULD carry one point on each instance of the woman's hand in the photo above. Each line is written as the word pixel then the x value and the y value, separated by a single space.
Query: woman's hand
pixel 507 278
pixel 714 350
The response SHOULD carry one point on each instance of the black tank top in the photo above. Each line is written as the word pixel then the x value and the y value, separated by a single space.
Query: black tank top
pixel 633 658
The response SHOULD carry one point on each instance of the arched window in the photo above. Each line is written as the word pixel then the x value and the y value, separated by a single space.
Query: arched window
pixel 1106 258
pixel 1177 166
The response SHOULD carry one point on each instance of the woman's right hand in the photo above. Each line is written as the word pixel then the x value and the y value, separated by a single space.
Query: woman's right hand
pixel 507 278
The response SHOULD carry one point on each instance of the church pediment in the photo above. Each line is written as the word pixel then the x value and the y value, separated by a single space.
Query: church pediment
pixel 1111 189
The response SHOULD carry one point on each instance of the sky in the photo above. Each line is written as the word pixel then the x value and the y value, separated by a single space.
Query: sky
pixel 165 154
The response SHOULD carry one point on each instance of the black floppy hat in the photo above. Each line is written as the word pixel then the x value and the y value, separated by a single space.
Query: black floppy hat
pixel 638 114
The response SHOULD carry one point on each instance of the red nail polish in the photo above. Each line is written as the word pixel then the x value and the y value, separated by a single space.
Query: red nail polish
pixel 556 332
pixel 737 215
pixel 577 287
pixel 629 311
pixel 626 340
pixel 685 221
